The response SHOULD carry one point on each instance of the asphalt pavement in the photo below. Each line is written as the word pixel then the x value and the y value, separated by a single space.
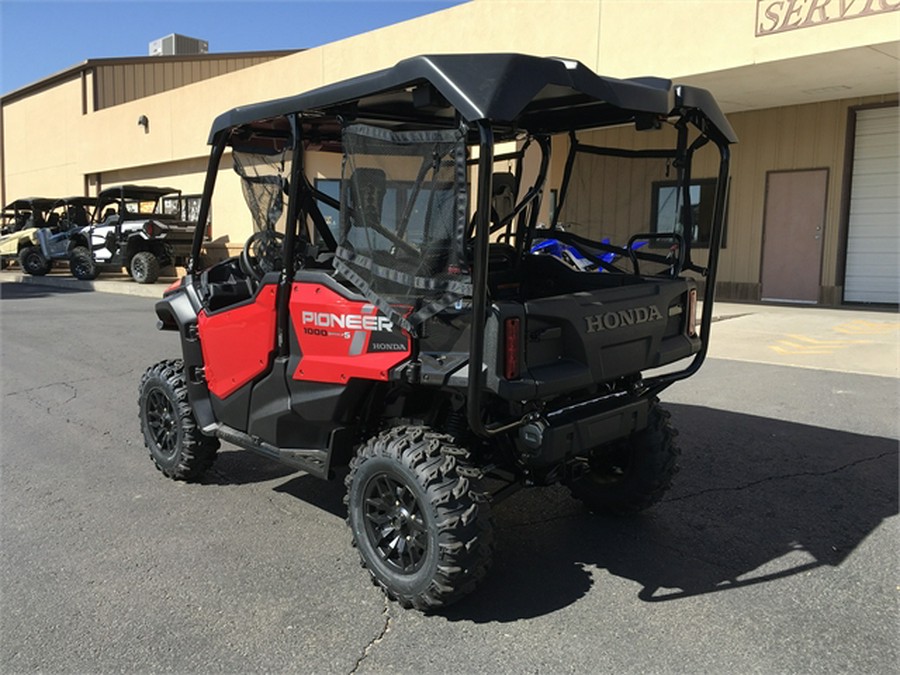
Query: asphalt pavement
pixel 775 551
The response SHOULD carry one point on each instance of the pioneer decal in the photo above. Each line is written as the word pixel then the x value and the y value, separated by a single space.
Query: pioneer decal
pixel 367 322
pixel 339 338
pixel 622 318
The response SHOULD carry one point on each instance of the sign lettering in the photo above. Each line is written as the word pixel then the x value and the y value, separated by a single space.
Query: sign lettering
pixel 779 16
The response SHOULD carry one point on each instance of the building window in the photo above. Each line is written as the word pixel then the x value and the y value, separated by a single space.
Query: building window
pixel 666 207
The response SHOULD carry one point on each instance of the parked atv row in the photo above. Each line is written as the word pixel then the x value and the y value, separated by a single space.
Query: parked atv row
pixel 123 227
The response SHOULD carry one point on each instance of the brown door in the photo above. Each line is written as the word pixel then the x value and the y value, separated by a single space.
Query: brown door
pixel 792 246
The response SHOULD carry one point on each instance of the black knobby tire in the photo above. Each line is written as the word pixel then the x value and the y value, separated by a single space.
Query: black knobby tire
pixel 631 475
pixel 82 265
pixel 144 267
pixel 33 262
pixel 422 528
pixel 176 444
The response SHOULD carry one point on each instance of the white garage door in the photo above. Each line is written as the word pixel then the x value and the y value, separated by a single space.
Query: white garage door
pixel 873 238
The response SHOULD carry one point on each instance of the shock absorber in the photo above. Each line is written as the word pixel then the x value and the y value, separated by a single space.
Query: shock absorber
pixel 456 424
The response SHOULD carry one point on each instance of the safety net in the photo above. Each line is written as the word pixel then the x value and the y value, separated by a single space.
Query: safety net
pixel 403 220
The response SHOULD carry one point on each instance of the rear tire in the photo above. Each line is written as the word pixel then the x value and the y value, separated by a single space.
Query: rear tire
pixel 421 529
pixel 631 475
pixel 176 445
pixel 144 267
pixel 33 262
pixel 82 265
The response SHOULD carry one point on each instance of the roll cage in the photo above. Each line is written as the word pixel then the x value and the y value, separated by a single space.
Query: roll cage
pixel 29 211
pixel 486 98
pixel 122 195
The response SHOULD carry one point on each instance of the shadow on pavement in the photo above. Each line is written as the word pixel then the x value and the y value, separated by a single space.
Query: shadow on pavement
pixel 757 500
pixel 242 467
pixel 14 291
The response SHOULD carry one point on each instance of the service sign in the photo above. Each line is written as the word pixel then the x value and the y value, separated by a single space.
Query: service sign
pixel 778 16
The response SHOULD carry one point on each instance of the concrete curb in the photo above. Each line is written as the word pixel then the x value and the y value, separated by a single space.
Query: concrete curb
pixel 123 285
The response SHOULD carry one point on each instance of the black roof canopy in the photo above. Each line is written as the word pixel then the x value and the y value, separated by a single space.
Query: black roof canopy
pixel 75 200
pixel 140 192
pixel 533 93
pixel 30 203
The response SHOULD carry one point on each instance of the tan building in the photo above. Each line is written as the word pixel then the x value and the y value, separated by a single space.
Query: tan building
pixel 810 86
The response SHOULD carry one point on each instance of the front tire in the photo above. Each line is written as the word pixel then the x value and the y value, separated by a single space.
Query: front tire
pixel 631 475
pixel 33 262
pixel 421 528
pixel 176 445
pixel 82 265
pixel 144 267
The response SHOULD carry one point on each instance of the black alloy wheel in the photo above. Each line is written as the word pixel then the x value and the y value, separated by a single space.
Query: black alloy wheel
pixel 33 261
pixel 144 267
pixel 162 423
pixel 395 524
pixel 177 446
pixel 419 517
pixel 82 265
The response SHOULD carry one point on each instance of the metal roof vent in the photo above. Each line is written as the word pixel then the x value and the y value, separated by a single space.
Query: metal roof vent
pixel 178 45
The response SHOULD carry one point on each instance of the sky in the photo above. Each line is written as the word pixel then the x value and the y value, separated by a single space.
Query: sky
pixel 42 37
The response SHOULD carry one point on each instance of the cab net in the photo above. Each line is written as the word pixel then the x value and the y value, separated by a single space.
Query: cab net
pixel 403 220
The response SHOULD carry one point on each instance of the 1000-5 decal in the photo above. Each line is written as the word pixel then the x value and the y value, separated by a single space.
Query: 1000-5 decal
pixel 341 338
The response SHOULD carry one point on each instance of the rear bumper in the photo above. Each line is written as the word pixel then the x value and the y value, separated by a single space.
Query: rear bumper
pixel 575 431
pixel 179 243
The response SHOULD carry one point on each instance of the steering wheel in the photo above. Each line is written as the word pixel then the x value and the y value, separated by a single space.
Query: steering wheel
pixel 262 254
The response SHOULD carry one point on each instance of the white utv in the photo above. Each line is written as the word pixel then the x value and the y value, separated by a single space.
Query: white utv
pixel 131 229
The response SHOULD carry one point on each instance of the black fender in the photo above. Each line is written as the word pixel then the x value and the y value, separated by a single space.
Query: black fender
pixel 178 311
pixel 75 242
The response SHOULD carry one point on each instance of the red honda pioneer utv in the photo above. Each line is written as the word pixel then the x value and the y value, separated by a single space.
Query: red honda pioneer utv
pixel 394 320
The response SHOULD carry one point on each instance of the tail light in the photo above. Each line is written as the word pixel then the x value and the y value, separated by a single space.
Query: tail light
pixel 512 340
pixel 150 229
pixel 692 313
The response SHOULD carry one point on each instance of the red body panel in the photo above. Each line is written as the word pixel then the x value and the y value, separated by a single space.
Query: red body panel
pixel 237 344
pixel 342 339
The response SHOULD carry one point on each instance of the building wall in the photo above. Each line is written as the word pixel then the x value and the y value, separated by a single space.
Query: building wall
pixel 748 52
pixel 120 82
pixel 41 143
pixel 790 138
pixel 699 36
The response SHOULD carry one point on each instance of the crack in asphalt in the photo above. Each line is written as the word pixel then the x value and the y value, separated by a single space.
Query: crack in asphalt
pixel 378 638
pixel 72 384
pixel 735 488
pixel 53 408
pixel 799 474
